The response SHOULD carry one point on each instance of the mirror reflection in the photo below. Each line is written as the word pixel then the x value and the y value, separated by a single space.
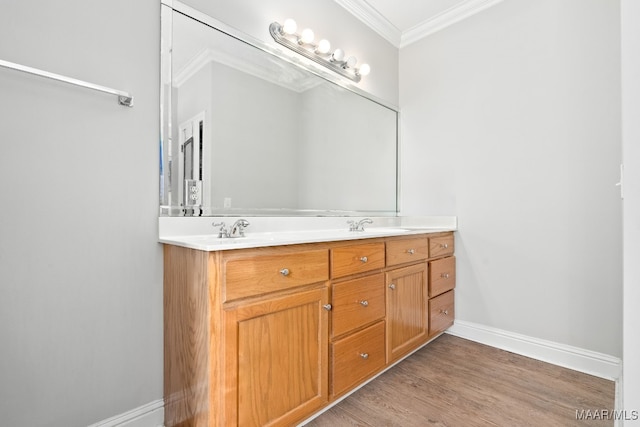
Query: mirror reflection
pixel 246 132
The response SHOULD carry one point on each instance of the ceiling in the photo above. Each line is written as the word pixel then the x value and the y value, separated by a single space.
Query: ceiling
pixel 403 22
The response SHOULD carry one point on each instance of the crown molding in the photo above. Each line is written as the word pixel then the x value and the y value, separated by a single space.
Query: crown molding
pixel 377 22
pixel 442 20
pixel 374 19
pixel 299 82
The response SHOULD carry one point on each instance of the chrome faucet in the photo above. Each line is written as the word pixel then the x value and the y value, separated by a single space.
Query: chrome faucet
pixel 359 226
pixel 236 230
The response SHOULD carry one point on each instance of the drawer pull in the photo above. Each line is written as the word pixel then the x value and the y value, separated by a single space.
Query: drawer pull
pixel 445 312
pixel 444 275
pixel 284 271
pixel 327 307
pixel 411 251
pixel 364 303
pixel 444 245
pixel 365 356
pixel 364 259
pixel 392 287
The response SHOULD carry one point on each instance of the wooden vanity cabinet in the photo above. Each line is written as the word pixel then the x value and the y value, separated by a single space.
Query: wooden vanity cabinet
pixel 235 356
pixel 268 336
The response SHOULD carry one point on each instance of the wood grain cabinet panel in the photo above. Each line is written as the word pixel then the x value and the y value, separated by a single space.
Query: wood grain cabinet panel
pixel 406 309
pixel 282 359
pixel 441 312
pixel 442 275
pixel 356 357
pixel 441 246
pixel 356 303
pixel 355 259
pixel 407 250
pixel 257 275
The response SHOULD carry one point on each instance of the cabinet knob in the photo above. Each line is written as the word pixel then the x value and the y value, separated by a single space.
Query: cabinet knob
pixel 364 259
pixel 444 245
pixel 284 271
pixel 411 251
pixel 365 356
pixel 445 312
pixel 444 275
pixel 364 303
pixel 392 286
pixel 327 307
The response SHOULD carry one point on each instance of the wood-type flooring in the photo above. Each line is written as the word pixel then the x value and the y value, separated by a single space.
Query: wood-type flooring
pixel 459 383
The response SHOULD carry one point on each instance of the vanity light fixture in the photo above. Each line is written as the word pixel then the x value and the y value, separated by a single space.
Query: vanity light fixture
pixel 303 43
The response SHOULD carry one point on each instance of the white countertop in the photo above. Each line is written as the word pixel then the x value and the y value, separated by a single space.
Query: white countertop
pixel 187 232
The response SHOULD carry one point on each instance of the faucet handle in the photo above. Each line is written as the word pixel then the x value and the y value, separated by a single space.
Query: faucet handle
pixel 223 229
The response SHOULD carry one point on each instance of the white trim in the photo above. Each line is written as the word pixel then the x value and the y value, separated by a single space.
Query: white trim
pixel 300 82
pixel 444 19
pixel 373 19
pixel 149 415
pixel 579 359
pixel 381 25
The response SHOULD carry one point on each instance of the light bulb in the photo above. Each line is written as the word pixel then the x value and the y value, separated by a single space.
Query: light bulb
pixel 323 46
pixel 338 55
pixel 307 36
pixel 351 62
pixel 364 70
pixel 289 26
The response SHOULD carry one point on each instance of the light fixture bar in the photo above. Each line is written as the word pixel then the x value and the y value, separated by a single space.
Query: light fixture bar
pixel 339 67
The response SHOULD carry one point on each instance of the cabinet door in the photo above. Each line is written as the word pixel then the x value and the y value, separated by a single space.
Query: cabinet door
pixel 406 310
pixel 279 359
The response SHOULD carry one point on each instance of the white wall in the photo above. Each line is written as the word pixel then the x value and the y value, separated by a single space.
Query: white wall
pixel 80 269
pixel 511 120
pixel 631 155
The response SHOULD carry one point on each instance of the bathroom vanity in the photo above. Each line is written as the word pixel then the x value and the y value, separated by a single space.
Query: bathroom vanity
pixel 270 327
pixel 270 335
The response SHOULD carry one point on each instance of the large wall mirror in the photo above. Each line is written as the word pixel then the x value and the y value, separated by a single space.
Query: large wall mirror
pixel 247 132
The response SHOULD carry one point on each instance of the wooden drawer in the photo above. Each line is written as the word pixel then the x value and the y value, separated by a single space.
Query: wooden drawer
pixel 356 357
pixel 442 275
pixel 357 302
pixel 267 273
pixel 354 259
pixel 441 246
pixel 441 312
pixel 407 250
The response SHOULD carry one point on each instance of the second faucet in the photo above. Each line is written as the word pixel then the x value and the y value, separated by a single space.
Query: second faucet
pixel 236 230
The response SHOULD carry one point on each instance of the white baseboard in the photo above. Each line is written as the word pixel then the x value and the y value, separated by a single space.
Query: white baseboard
pixel 587 361
pixel 149 415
